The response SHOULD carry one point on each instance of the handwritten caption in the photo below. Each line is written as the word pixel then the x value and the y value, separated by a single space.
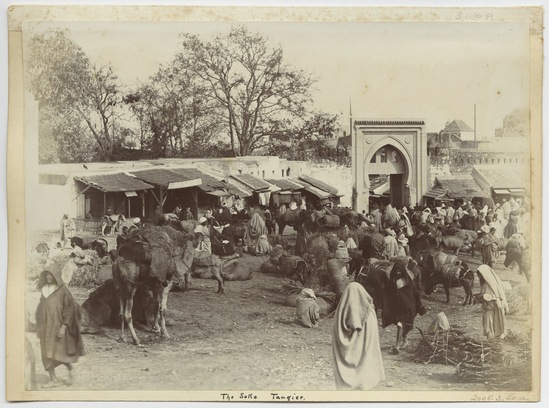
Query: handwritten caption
pixel 273 396
pixel 476 16
pixel 499 397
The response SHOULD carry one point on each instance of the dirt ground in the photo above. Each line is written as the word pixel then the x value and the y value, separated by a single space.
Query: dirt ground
pixel 248 339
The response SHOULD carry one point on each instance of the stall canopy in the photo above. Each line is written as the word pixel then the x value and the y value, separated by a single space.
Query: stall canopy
pixel 317 192
pixel 465 187
pixel 509 191
pixel 209 185
pixel 113 183
pixel 439 194
pixel 319 185
pixel 322 195
pixel 168 179
pixel 241 192
pixel 255 183
pixel 285 184
pixel 289 191
pixel 502 180
pixel 257 187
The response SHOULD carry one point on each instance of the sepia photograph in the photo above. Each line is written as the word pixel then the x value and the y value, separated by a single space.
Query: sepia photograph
pixel 274 204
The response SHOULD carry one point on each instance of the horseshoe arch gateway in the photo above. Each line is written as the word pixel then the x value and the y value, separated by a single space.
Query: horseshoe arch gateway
pixel 396 148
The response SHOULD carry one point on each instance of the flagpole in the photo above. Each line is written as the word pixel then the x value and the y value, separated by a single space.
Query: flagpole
pixel 354 147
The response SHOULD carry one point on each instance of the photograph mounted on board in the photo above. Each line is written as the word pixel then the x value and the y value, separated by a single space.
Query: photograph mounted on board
pixel 244 208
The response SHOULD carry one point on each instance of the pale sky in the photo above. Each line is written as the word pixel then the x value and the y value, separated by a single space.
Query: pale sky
pixel 433 71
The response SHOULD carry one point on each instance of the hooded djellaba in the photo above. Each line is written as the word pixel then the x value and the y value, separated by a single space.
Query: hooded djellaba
pixel 255 230
pixel 401 302
pixel 263 247
pixel 57 325
pixel 494 303
pixel 356 353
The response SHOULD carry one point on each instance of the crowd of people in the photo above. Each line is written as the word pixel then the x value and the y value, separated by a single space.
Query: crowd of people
pixel 357 361
pixel 506 217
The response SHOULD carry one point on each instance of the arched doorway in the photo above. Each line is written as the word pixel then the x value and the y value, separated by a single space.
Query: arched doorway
pixel 388 164
pixel 396 149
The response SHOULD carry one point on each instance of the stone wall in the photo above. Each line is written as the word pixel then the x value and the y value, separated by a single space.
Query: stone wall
pixel 337 176
pixel 462 160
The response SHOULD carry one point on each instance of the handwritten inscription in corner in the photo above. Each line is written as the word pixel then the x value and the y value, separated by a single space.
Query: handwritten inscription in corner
pixel 474 16
pixel 499 397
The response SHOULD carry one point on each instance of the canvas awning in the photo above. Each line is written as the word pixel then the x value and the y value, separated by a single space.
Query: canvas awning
pixel 255 183
pixel 317 192
pixel 242 192
pixel 438 194
pixel 509 191
pixel 217 193
pixel 320 185
pixel 285 184
pixel 117 182
pixel 169 179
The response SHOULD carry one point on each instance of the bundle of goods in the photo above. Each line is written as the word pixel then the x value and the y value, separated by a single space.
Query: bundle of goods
pixel 275 240
pixel 322 247
pixel 499 364
pixel 276 253
pixel 328 221
pixel 326 300
pixel 81 268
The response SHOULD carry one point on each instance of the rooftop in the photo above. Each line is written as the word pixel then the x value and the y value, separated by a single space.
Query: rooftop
pixel 319 184
pixel 285 184
pixel 502 176
pixel 253 182
pixel 114 182
pixel 460 186
pixel 165 176
pixel 385 122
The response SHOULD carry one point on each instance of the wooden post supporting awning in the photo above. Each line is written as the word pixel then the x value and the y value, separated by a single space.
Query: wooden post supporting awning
pixel 195 202
pixel 166 179
pixel 113 183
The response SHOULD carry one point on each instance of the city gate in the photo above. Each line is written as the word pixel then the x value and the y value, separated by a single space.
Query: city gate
pixel 396 148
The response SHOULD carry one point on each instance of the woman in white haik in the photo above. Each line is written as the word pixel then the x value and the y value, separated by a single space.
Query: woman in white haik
pixel 494 303
pixel 356 362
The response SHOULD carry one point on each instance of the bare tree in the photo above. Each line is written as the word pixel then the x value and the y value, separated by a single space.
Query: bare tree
pixel 258 93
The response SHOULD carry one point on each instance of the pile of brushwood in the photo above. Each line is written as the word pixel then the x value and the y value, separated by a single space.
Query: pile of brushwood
pixel 503 364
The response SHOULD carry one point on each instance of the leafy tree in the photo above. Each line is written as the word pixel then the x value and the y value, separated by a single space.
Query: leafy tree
pixel 174 115
pixel 516 124
pixel 311 138
pixel 60 138
pixel 67 84
pixel 257 94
